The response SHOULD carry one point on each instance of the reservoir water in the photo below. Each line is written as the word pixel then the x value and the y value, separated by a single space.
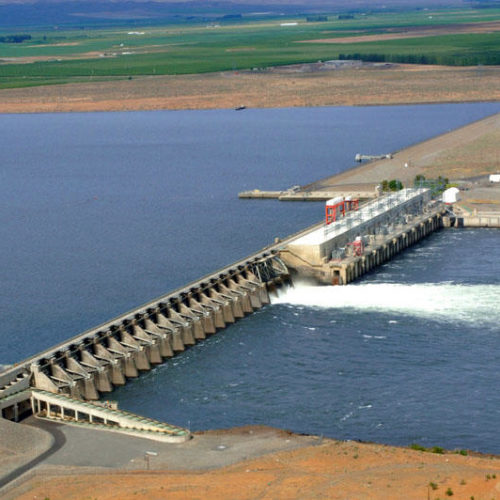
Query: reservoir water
pixel 104 211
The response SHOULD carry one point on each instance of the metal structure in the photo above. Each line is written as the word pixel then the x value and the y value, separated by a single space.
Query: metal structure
pixel 336 207
pixel 359 157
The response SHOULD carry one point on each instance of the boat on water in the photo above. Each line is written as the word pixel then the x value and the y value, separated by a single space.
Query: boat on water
pixel 239 108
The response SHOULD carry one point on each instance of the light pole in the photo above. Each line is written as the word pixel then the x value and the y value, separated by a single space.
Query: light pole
pixel 147 457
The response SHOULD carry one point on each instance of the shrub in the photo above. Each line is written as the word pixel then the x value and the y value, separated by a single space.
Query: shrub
pixel 392 185
pixel 418 447
pixel 14 38
pixel 437 449
pixel 395 185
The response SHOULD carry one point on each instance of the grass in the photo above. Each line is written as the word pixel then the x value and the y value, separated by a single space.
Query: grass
pixel 451 50
pixel 417 447
pixel 433 449
pixel 73 54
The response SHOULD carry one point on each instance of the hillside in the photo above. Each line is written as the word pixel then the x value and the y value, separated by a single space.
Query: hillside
pixel 17 13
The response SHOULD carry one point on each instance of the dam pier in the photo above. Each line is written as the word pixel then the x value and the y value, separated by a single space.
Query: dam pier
pixel 66 382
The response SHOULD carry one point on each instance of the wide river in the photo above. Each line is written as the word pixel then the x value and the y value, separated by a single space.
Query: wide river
pixel 104 211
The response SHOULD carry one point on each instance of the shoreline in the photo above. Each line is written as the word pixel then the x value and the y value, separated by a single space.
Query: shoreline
pixel 262 462
pixel 56 109
pixel 142 106
pixel 435 157
pixel 368 85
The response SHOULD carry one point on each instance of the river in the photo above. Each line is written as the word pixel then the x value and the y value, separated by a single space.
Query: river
pixel 104 211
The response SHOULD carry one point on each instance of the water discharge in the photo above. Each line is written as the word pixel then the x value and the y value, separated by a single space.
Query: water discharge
pixel 451 302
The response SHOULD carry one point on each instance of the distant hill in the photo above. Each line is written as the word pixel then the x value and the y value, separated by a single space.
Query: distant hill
pixel 19 13
pixel 326 4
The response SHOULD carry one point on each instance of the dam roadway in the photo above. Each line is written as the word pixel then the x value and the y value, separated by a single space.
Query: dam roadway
pixel 62 382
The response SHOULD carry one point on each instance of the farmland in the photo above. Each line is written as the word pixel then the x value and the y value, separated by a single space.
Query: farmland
pixel 87 54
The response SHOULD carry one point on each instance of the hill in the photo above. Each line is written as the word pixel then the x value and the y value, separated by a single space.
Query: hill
pixel 18 13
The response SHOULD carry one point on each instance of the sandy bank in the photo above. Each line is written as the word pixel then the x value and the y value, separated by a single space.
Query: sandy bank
pixel 302 85
pixel 323 469
pixel 463 154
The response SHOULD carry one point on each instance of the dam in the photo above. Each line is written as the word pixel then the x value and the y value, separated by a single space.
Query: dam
pixel 66 382
pixel 91 364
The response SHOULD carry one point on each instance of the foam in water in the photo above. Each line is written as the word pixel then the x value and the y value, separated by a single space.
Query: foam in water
pixel 440 301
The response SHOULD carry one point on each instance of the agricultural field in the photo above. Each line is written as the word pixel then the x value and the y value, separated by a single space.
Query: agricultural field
pixel 82 54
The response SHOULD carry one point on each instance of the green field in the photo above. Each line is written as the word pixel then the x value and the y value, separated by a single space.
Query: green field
pixel 85 54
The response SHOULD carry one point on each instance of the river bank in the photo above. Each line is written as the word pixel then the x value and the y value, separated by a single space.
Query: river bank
pixel 466 155
pixel 277 465
pixel 290 86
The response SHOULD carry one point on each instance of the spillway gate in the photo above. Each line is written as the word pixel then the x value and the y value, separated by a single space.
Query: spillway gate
pixel 94 362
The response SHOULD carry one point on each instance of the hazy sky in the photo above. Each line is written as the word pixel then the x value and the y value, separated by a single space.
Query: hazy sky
pixel 327 4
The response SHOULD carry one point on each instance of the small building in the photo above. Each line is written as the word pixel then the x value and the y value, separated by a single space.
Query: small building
pixel 451 195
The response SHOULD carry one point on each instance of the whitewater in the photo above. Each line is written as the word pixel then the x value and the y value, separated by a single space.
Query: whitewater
pixel 450 302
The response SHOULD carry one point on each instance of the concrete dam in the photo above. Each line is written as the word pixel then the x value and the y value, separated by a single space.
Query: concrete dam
pixel 66 382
